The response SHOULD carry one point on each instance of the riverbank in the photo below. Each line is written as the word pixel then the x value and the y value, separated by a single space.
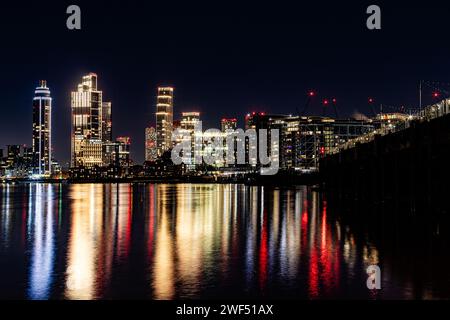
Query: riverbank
pixel 284 179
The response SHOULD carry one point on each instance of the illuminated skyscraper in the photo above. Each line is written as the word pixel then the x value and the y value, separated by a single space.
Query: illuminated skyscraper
pixel 188 125
pixel 150 144
pixel 42 130
pixel 189 120
pixel 164 119
pixel 106 122
pixel 229 125
pixel 87 114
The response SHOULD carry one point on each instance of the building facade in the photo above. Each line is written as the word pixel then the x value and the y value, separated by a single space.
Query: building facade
pixel 124 151
pixel 87 125
pixel 164 119
pixel 228 124
pixel 304 140
pixel 150 144
pixel 117 153
pixel 106 122
pixel 42 131
pixel 257 121
pixel 188 125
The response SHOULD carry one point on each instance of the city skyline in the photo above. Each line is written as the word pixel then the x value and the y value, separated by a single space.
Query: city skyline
pixel 104 131
pixel 258 58
pixel 236 159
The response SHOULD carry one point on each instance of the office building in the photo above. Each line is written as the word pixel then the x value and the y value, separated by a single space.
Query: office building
pixel 106 122
pixel 87 126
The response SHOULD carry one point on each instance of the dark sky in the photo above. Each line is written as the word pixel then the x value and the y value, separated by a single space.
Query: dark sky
pixel 225 58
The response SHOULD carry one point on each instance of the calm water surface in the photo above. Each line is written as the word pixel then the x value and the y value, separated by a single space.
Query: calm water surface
pixel 168 241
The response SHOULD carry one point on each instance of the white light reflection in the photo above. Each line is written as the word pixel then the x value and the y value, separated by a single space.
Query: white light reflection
pixel 42 257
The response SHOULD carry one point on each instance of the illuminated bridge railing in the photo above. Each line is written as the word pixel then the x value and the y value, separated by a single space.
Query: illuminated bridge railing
pixel 428 113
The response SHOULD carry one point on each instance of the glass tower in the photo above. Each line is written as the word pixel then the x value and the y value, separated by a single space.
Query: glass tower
pixel 87 125
pixel 42 132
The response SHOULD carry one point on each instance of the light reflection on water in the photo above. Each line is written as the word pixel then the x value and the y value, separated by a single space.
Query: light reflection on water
pixel 168 241
pixel 41 239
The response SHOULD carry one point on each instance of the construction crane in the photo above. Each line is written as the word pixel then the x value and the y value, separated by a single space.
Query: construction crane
pixel 326 103
pixel 437 88
pixel 309 97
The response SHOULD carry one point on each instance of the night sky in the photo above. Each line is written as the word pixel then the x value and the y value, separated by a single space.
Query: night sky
pixel 224 58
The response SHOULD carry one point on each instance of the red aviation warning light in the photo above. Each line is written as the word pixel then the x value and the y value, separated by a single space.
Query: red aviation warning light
pixel 311 93
pixel 334 100
pixel 325 102
pixel 370 100
pixel 435 94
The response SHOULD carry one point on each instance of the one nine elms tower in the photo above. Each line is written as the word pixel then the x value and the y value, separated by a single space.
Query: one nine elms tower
pixel 164 119
pixel 42 130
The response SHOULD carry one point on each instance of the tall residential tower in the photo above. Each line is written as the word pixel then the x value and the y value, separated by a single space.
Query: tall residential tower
pixel 42 130
pixel 164 119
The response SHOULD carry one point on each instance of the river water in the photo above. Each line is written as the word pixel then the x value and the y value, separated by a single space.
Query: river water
pixel 195 241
